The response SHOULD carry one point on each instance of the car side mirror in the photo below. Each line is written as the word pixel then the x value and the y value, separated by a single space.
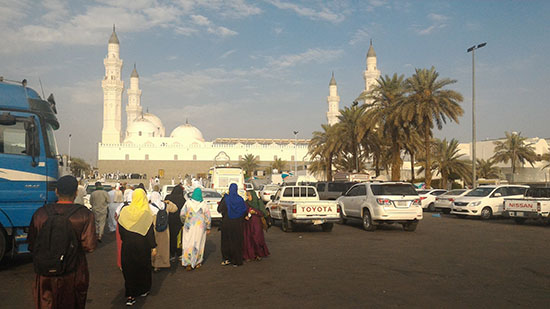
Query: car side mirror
pixel 272 197
pixel 498 194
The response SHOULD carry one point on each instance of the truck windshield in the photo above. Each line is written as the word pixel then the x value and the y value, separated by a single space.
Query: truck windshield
pixel 480 192
pixel 393 189
pixel 51 151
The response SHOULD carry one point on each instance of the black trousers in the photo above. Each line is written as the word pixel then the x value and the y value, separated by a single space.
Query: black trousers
pixel 232 240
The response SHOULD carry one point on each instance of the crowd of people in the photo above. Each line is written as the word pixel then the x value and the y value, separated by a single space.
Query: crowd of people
pixel 152 234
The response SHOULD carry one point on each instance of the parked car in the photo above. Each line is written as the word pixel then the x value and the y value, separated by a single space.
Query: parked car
pixel 332 190
pixel 301 205
pixel 535 205
pixel 427 198
pixel 377 203
pixel 486 201
pixel 267 191
pixel 445 201
pixel 212 199
pixel 248 186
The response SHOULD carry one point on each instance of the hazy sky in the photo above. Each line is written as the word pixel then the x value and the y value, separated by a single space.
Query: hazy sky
pixel 242 68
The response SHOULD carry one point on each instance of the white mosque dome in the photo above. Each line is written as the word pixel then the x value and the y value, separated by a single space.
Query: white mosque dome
pixel 141 127
pixel 160 131
pixel 188 134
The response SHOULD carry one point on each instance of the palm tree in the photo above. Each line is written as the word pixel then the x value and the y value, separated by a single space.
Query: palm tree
pixel 514 149
pixel 350 131
pixel 384 114
pixel 249 163
pixel 279 165
pixel 447 161
pixel 487 169
pixel 323 147
pixel 429 104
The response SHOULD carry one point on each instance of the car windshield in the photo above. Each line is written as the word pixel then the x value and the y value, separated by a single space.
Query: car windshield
pixel 207 194
pixel 480 191
pixel 393 189
pixel 271 188
pixel 91 188
pixel 454 192
pixel 423 191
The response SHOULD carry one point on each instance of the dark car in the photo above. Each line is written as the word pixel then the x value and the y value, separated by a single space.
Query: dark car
pixel 332 190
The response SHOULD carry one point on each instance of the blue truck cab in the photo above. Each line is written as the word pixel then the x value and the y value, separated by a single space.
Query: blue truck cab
pixel 29 161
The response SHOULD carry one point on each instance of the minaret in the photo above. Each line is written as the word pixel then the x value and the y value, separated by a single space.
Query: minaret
pixel 133 109
pixel 113 87
pixel 371 74
pixel 333 101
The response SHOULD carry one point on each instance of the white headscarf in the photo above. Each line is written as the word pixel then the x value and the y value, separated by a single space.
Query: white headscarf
pixel 157 200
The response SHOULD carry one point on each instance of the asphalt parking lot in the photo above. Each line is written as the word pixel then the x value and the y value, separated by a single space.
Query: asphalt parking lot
pixel 447 262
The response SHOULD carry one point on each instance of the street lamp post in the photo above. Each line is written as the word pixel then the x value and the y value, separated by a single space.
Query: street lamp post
pixel 472 49
pixel 69 154
pixel 295 152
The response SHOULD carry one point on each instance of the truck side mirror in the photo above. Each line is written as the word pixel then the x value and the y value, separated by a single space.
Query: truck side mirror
pixel 32 147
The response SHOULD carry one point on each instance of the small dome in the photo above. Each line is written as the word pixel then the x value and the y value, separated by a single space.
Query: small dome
pixel 141 127
pixel 188 134
pixel 160 131
pixel 371 52
pixel 113 39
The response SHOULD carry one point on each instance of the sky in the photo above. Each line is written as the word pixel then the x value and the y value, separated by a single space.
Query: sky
pixel 261 69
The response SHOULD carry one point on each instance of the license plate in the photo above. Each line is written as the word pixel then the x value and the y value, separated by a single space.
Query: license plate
pixel 317 222
pixel 519 214
pixel 403 203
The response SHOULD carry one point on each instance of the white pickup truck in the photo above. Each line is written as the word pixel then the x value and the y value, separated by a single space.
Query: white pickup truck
pixel 535 205
pixel 301 205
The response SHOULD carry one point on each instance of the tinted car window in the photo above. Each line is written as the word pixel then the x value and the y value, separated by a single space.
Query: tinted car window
pixel 288 192
pixel 321 186
pixel 393 189
pixel 503 191
pixel 480 192
pixel 337 186
pixel 354 191
pixel 436 193
pixel 538 192
pixel 423 191
pixel 454 192
pixel 518 190
pixel 311 192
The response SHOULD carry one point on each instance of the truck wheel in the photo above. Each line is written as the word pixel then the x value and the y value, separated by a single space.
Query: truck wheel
pixel 327 227
pixel 286 225
pixel 519 220
pixel 343 220
pixel 3 243
pixel 367 221
pixel 486 213
pixel 410 226
pixel 431 207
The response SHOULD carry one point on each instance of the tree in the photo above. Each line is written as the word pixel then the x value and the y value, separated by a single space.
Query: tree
pixel 323 147
pixel 487 169
pixel 514 149
pixel 79 167
pixel 349 130
pixel 279 165
pixel 447 161
pixel 249 163
pixel 384 114
pixel 429 104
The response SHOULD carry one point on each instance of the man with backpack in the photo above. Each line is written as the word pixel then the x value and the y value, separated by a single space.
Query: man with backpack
pixel 60 234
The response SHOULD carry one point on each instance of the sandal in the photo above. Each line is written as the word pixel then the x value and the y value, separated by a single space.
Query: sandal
pixel 130 301
pixel 258 258
pixel 198 266
pixel 225 263
pixel 188 268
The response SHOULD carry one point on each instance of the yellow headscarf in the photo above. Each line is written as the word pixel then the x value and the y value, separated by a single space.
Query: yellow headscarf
pixel 137 216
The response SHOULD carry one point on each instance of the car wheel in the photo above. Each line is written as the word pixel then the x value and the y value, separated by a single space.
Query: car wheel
pixel 519 220
pixel 367 221
pixel 486 213
pixel 327 227
pixel 286 225
pixel 410 226
pixel 431 207
pixel 343 220
pixel 3 243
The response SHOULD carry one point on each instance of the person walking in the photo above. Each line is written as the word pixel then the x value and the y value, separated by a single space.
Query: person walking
pixel 196 217
pixel 128 192
pixel 174 221
pixel 67 290
pixel 138 245
pixel 161 211
pixel 80 193
pixel 116 199
pixel 233 210
pixel 254 242
pixel 99 199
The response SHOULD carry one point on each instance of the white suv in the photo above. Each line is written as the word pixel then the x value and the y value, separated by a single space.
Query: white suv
pixel 486 201
pixel 381 202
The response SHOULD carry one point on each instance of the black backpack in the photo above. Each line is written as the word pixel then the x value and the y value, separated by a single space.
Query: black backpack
pixel 162 219
pixel 56 247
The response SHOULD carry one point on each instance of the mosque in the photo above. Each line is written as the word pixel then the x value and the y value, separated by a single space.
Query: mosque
pixel 145 147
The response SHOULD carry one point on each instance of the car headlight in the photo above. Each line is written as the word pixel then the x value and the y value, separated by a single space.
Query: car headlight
pixel 475 203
